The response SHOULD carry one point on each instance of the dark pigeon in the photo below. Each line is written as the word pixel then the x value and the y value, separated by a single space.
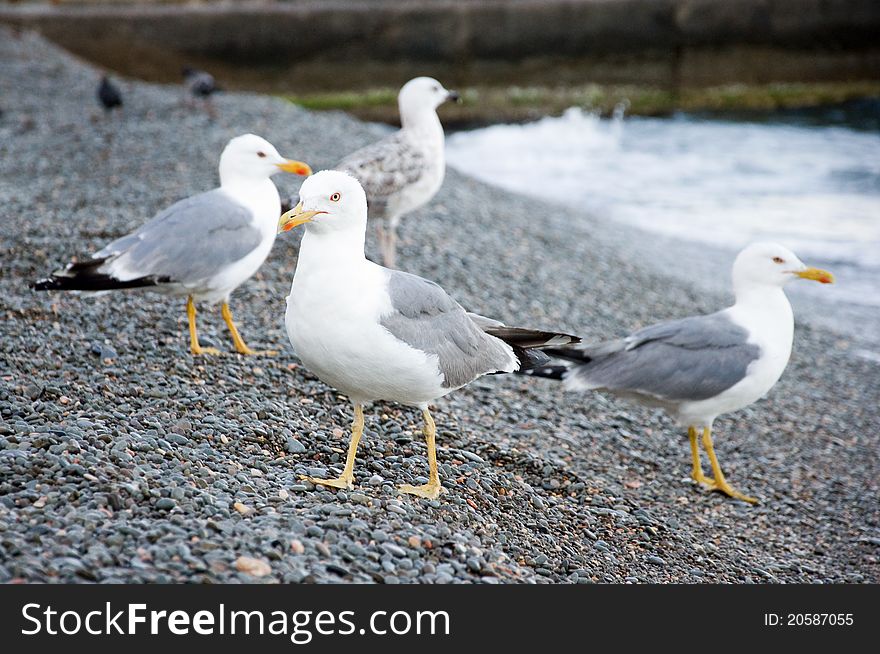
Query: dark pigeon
pixel 199 83
pixel 109 95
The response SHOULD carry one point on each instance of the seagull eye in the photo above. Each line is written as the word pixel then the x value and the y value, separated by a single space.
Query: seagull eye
pixel 778 260
pixel 335 197
pixel 261 155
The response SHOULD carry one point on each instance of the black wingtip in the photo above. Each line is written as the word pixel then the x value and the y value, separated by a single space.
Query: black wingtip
pixel 93 282
pixel 556 373
pixel 529 359
pixel 532 338
pixel 530 345
pixel 576 355
pixel 45 284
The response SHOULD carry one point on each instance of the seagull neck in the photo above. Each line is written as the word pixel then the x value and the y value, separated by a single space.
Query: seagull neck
pixel 236 184
pixel 764 304
pixel 758 295
pixel 424 122
pixel 765 312
pixel 340 248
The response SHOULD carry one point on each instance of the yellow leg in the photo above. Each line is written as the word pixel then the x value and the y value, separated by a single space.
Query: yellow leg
pixel 240 346
pixel 193 334
pixel 697 473
pixel 720 483
pixel 432 489
pixel 345 480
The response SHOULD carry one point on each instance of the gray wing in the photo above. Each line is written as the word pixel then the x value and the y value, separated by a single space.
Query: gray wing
pixel 690 359
pixel 426 318
pixel 189 241
pixel 385 168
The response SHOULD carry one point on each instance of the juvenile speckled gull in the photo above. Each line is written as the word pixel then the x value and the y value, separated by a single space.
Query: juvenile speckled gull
pixel 202 247
pixel 402 172
pixel 379 334
pixel 700 367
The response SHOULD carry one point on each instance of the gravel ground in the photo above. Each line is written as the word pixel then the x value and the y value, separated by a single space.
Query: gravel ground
pixel 123 458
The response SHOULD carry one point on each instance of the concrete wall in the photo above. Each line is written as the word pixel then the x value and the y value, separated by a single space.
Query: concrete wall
pixel 828 38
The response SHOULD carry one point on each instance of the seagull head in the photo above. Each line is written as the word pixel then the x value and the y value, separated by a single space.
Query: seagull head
pixel 421 95
pixel 770 264
pixel 250 157
pixel 329 201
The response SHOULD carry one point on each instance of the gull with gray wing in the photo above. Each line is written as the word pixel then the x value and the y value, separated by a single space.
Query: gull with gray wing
pixel 379 334
pixel 700 367
pixel 202 247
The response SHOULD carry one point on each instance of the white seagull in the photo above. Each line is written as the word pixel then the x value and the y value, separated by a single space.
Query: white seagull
pixel 379 334
pixel 700 367
pixel 402 172
pixel 202 247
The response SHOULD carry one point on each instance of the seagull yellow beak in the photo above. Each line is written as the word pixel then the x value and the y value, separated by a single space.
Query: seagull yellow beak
pixel 295 217
pixel 295 167
pixel 817 275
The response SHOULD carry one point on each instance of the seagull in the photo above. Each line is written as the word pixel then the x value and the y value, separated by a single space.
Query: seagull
pixel 200 85
pixel 379 334
pixel 109 95
pixel 202 247
pixel 403 171
pixel 700 367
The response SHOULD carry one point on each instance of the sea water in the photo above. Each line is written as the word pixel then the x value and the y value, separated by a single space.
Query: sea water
pixel 809 180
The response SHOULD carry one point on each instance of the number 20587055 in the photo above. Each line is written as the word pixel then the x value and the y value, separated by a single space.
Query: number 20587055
pixel 808 619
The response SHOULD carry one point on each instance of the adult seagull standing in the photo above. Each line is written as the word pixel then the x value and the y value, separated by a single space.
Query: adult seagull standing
pixel 380 334
pixel 202 247
pixel 700 367
pixel 402 172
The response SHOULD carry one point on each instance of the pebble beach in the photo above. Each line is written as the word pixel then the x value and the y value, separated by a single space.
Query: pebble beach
pixel 125 459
